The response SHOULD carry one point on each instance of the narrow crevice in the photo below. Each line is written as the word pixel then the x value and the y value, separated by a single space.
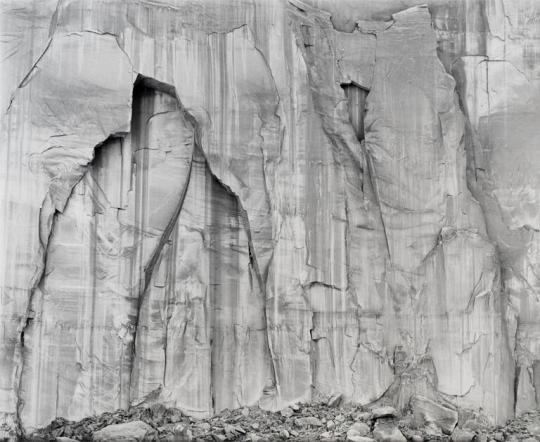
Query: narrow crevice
pixel 28 320
pixel 536 381
pixel 357 98
pixel 517 368
pixel 517 374
pixel 26 79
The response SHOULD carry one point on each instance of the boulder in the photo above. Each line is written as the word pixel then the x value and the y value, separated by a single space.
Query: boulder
pixel 432 430
pixel 386 430
pixel 358 429
pixel 287 412
pixel 427 411
pixel 358 432
pixel 462 435
pixel 498 436
pixel 310 421
pixel 362 416
pixel 534 428
pixel 134 431
pixel 335 400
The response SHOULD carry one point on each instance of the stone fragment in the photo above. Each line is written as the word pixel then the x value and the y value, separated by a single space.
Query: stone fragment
pixel 432 429
pixel 363 416
pixel 427 411
pixel 335 400
pixel 287 412
pixel 359 429
pixel 462 435
pixel 534 428
pixel 309 421
pixel 498 436
pixel 205 426
pixel 134 431
pixel 386 430
pixel 65 439
pixel 230 430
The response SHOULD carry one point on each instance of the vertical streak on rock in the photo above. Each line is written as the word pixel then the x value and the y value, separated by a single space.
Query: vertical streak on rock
pixel 466 61
pixel 32 307
pixel 220 345
pixel 357 98
pixel 163 142
pixel 53 339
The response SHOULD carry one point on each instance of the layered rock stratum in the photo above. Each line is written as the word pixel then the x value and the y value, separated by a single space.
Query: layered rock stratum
pixel 215 204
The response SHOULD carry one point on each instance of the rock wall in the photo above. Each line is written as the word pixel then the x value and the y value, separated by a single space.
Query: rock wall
pixel 215 204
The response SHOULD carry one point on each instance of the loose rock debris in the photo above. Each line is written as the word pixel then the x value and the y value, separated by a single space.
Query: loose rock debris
pixel 314 422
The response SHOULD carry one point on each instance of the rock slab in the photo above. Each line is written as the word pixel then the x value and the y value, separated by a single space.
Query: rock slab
pixel 135 431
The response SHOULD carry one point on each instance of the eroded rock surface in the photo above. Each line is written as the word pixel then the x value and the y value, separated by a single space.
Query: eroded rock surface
pixel 211 205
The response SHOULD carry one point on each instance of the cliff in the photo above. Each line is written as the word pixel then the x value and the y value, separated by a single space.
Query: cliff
pixel 212 204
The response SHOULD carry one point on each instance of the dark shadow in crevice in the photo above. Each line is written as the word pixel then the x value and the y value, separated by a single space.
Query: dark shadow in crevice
pixel 356 96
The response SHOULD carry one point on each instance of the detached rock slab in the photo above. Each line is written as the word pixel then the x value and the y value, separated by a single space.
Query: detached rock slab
pixel 129 432
pixel 386 430
pixel 427 413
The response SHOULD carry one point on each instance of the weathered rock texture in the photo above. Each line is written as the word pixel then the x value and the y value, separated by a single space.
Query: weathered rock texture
pixel 215 204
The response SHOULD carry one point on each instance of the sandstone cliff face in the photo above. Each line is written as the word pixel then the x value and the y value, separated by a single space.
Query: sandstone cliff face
pixel 214 204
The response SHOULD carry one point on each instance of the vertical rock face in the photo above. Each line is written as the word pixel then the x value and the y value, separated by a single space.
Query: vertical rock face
pixel 213 205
